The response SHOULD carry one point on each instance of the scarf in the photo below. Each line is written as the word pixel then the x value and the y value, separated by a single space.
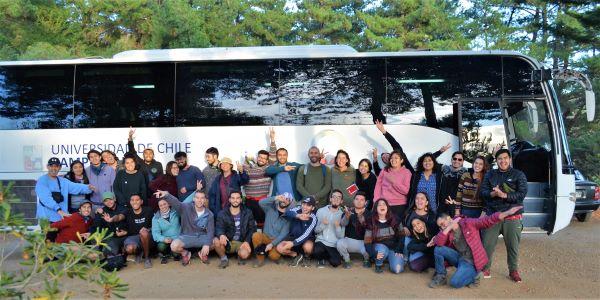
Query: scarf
pixel 166 215
pixel 98 169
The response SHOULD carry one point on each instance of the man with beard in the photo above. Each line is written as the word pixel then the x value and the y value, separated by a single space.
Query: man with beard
pixel 100 175
pixel 276 228
pixel 233 231
pixel 188 176
pixel 284 174
pixel 139 231
pixel 328 231
pixel 148 165
pixel 211 171
pixel 314 178
pixel 259 185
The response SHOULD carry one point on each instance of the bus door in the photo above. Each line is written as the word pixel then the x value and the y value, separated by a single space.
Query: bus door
pixel 521 126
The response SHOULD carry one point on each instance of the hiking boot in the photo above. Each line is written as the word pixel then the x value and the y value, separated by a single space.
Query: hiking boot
pixel 185 258
pixel 347 265
pixel 147 263
pixel 224 263
pixel 378 269
pixel 366 263
pixel 164 260
pixel 514 275
pixel 306 262
pixel 321 264
pixel 297 260
pixel 487 274
pixel 438 280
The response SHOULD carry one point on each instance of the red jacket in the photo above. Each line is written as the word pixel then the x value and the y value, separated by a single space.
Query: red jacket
pixel 69 227
pixel 470 229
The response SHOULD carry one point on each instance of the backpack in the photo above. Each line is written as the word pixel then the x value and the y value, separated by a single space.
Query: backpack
pixel 114 262
pixel 323 169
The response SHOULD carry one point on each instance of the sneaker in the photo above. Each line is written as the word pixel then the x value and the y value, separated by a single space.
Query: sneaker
pixel 514 275
pixel 177 257
pixel 378 269
pixel 224 263
pixel 306 262
pixel 241 262
pixel 147 263
pixel 138 258
pixel 347 265
pixel 321 264
pixel 476 280
pixel 185 258
pixel 438 280
pixel 297 260
pixel 366 263
pixel 487 274
pixel 259 262
pixel 164 260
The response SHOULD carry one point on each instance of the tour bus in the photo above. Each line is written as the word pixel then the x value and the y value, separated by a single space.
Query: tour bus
pixel 327 96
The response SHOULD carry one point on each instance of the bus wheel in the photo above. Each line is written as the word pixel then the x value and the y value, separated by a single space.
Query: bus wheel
pixel 583 217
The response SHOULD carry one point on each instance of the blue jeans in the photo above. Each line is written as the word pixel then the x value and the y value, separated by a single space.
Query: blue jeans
pixel 471 212
pixel 396 262
pixel 413 256
pixel 465 271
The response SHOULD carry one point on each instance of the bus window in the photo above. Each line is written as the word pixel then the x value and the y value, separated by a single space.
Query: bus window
pixel 122 95
pixel 482 128
pixel 517 78
pixel 332 91
pixel 36 97
pixel 227 93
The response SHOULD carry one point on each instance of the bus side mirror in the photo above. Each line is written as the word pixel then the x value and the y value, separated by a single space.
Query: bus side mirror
pixel 590 105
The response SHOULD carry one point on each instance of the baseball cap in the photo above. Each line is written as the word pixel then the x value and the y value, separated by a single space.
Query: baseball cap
pixel 310 200
pixel 226 160
pixel 54 161
pixel 288 196
pixel 108 195
pixel 85 202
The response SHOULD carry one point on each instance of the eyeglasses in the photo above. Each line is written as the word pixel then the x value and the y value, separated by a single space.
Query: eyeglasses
pixel 457 159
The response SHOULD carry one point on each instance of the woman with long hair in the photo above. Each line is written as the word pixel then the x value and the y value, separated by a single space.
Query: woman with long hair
pixel 393 184
pixel 429 179
pixel 165 182
pixel 468 202
pixel 420 256
pixel 366 180
pixel 343 177
pixel 77 174
pixel 383 238
pixel 111 159
pixel 129 181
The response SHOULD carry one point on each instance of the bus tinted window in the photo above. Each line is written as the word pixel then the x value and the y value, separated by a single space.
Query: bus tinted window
pixel 227 93
pixel 517 78
pixel 36 97
pixel 332 91
pixel 122 95
pixel 423 90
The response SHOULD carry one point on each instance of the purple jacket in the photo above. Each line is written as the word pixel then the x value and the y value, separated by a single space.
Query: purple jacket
pixel 103 182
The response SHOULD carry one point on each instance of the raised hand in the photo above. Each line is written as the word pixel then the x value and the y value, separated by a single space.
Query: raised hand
pixel 288 168
pixel 374 154
pixel 446 147
pixel 199 185
pixel 240 167
pixel 380 126
pixel 131 133
pixel 272 134
pixel 161 194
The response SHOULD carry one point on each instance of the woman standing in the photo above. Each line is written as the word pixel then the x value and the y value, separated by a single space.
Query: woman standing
pixel 111 159
pixel 77 174
pixel 468 202
pixel 383 238
pixel 128 182
pixel 429 179
pixel 166 182
pixel 366 180
pixel 393 184
pixel 343 177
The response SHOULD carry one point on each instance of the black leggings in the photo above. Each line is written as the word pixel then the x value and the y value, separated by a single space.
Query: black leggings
pixel 399 211
pixel 320 251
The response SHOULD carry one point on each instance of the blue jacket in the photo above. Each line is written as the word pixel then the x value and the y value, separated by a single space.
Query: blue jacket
pixel 235 184
pixel 277 171
pixel 162 229
pixel 46 206
pixel 300 231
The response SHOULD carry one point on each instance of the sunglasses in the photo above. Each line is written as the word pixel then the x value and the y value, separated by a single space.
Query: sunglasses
pixel 457 159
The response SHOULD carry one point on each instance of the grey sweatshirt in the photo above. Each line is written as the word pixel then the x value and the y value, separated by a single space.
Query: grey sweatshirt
pixel 277 226
pixel 202 227
pixel 329 234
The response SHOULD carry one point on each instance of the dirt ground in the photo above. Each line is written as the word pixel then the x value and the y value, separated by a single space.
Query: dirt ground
pixel 564 265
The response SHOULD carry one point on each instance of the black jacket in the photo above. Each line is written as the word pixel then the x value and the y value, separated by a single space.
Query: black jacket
pixel 442 189
pixel 225 225
pixel 513 182
pixel 151 171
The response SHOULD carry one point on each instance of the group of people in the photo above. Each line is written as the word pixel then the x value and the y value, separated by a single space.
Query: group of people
pixel 431 216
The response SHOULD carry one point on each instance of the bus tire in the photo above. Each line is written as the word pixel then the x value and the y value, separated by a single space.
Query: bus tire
pixel 583 217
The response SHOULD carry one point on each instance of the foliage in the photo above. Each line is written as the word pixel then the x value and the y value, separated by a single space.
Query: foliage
pixel 45 265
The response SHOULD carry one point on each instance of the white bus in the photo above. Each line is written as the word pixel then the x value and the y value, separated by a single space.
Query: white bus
pixel 328 96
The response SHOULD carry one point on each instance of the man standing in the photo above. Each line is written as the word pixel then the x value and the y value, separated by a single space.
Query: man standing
pixel 188 176
pixel 197 226
pixel 101 176
pixel 211 171
pixel 259 184
pixel 139 230
pixel 284 175
pixel 328 231
pixel 233 231
pixel 502 189
pixel 275 230
pixel 148 165
pixel 354 221
pixel 314 178
pixel 53 191
pixel 300 241
pixel 459 244
pixel 111 217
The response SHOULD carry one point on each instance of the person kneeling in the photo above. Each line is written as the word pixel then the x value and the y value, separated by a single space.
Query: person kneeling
pixel 300 241
pixel 139 226
pixel 165 228
pixel 459 244
pixel 233 231
pixel 384 239
pixel 276 228
pixel 75 226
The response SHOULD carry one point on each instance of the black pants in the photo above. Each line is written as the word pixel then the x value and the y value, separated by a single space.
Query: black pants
pixel 399 211
pixel 257 212
pixel 320 251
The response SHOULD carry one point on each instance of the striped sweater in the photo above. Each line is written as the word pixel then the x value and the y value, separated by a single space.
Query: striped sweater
pixel 259 185
pixel 385 233
pixel 466 194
